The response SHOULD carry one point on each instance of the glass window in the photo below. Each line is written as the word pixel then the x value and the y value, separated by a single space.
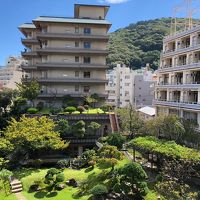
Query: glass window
pixel 86 60
pixel 76 73
pixel 87 45
pixel 87 30
pixel 76 88
pixel 76 29
pixel 86 88
pixel 76 59
pixel 76 44
pixel 86 75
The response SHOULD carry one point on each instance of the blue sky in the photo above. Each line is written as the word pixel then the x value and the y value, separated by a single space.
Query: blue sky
pixel 122 13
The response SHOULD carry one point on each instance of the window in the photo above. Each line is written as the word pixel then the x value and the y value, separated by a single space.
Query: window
pixel 87 30
pixel 76 59
pixel 86 60
pixel 76 44
pixel 87 45
pixel 127 77
pixel 76 29
pixel 86 75
pixel 76 88
pixel 76 73
pixel 127 84
pixel 86 88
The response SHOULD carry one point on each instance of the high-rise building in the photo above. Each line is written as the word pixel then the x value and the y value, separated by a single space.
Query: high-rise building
pixel 11 73
pixel 67 56
pixel 126 86
pixel 178 87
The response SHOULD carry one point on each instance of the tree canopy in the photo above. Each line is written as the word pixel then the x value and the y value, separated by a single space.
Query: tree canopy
pixel 33 134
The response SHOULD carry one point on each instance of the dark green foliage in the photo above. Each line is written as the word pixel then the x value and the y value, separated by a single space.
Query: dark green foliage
pixel 86 107
pixel 99 190
pixel 80 109
pixel 106 107
pixel 60 178
pixel 68 100
pixel 198 195
pixel 70 109
pixel 116 139
pixel 32 110
pixel 63 127
pixel 78 129
pixel 40 105
pixel 63 164
pixel 93 127
pixel 139 43
pixel 131 179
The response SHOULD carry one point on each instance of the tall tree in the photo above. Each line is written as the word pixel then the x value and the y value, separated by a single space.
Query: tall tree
pixel 29 90
pixel 32 134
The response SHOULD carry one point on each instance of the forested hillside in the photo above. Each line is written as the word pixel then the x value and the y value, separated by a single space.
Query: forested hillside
pixel 139 43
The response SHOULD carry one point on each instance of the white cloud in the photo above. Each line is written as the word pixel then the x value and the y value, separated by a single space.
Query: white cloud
pixel 113 1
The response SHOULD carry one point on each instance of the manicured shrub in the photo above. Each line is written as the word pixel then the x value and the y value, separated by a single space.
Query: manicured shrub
pixel 116 139
pixel 55 111
pixel 32 110
pixel 198 195
pixel 70 109
pixel 60 178
pixel 63 164
pixel 81 109
pixel 78 129
pixel 86 107
pixel 40 105
pixel 99 190
pixel 106 107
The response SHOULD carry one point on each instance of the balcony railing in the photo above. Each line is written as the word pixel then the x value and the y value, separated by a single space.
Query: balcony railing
pixel 29 53
pixel 178 104
pixel 171 68
pixel 73 94
pixel 71 36
pixel 181 33
pixel 57 65
pixel 187 85
pixel 71 50
pixel 194 47
pixel 29 41
pixel 72 80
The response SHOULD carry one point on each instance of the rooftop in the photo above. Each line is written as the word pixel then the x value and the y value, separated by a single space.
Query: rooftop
pixel 70 20
pixel 148 110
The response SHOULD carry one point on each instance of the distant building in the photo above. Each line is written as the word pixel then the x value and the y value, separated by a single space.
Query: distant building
pixel 11 73
pixel 147 112
pixel 126 86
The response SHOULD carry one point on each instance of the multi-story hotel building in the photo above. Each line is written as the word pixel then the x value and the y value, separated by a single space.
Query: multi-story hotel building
pixel 178 86
pixel 67 56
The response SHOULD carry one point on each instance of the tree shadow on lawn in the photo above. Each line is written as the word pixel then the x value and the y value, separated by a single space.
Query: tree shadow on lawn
pixel 89 169
pixel 42 194
pixel 23 172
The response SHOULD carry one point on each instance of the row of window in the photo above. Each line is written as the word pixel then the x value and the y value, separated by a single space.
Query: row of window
pixel 86 74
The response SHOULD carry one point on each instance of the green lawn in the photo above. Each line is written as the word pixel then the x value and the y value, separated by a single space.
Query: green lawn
pixel 28 176
pixel 5 197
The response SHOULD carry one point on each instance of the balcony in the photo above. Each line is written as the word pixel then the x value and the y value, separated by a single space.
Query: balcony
pixel 29 54
pixel 73 94
pixel 75 36
pixel 181 34
pixel 192 85
pixel 29 41
pixel 189 66
pixel 178 104
pixel 28 67
pixel 71 50
pixel 195 47
pixel 56 65
pixel 72 80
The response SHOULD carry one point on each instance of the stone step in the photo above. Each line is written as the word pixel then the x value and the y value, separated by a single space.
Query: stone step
pixel 16 190
pixel 15 183
pixel 16 186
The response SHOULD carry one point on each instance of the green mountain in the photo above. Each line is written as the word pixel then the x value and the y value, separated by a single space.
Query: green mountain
pixel 140 43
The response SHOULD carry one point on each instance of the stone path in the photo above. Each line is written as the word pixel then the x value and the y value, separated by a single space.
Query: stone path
pixel 20 196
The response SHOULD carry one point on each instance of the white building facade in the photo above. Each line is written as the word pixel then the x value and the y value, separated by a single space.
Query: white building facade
pixel 11 73
pixel 178 86
pixel 126 86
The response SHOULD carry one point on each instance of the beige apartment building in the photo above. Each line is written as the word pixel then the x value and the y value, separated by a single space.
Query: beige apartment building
pixel 67 56
pixel 178 86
